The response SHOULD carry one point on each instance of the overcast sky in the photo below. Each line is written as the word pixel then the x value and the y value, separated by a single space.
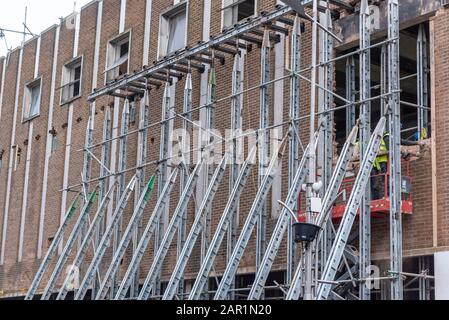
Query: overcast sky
pixel 41 15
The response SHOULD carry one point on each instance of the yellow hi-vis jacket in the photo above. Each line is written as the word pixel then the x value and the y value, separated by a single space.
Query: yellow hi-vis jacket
pixel 383 157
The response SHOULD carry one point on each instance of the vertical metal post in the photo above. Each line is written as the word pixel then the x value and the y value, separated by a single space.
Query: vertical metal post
pixel 144 120
pixel 422 82
pixel 87 167
pixel 185 147
pixel 395 149
pixel 163 166
pixel 308 274
pixel 365 134
pixel 293 159
pixel 383 78
pixel 208 168
pixel 236 129
pixel 264 142
pixel 350 94
pixel 326 151
pixel 123 150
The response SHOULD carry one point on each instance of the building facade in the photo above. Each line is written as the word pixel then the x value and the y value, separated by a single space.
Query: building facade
pixel 44 112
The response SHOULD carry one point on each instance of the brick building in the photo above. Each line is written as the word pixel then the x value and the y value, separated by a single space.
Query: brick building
pixel 44 112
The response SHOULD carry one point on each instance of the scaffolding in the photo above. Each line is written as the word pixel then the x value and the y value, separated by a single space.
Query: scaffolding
pixel 313 275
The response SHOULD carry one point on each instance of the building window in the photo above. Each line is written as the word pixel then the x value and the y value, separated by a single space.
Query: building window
pixel 235 11
pixel 173 30
pixel 71 80
pixel 32 100
pixel 132 113
pixel 118 57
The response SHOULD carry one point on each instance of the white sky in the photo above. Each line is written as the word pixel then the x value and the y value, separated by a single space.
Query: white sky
pixel 41 15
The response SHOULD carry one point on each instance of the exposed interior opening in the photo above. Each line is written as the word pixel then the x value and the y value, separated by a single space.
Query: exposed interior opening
pixel 173 30
pixel 71 80
pixel 118 57
pixel 235 11
pixel 32 100
pixel 415 287
pixel 415 85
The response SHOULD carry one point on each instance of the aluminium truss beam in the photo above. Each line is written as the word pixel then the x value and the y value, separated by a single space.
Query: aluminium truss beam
pixel 350 94
pixel 109 277
pixel 236 130
pixel 163 157
pixel 394 120
pixel 352 206
pixel 185 147
pixel 328 202
pixel 263 143
pixel 54 247
pixel 164 247
pixel 67 251
pixel 103 245
pixel 144 117
pixel 250 223
pixel 123 149
pixel 223 225
pixel 326 149
pixel 199 49
pixel 209 149
pixel 82 250
pixel 365 133
pixel 422 81
pixel 146 236
pixel 284 222
pixel 293 144
pixel 195 231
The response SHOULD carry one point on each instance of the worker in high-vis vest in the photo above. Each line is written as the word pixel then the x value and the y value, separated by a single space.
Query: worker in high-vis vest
pixel 381 165
pixel 381 162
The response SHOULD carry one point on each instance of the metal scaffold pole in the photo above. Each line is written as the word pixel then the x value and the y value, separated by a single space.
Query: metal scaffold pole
pixel 422 82
pixel 123 152
pixel 394 119
pixel 263 143
pixel 350 94
pixel 185 147
pixel 163 167
pixel 311 179
pixel 144 115
pixel 237 146
pixel 293 156
pixel 326 145
pixel 365 133
pixel 209 150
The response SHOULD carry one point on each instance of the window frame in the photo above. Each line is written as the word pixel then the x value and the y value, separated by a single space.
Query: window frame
pixel 114 44
pixel 69 66
pixel 164 25
pixel 233 8
pixel 28 90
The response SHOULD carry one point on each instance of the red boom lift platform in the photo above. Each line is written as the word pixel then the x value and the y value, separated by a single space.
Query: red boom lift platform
pixel 380 205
